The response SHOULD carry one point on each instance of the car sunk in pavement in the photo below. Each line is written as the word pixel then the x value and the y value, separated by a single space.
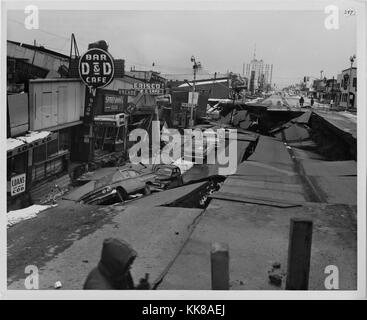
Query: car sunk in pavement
pixel 167 176
pixel 120 182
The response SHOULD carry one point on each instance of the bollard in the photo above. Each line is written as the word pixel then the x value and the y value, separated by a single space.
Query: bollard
pixel 219 257
pixel 299 254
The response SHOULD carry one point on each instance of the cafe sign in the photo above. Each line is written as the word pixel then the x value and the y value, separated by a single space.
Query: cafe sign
pixel 96 68
pixel 17 184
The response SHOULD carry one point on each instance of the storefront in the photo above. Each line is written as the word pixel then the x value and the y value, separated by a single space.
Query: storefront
pixel 23 170
pixel 348 88
pixel 52 157
pixel 56 106
pixel 110 132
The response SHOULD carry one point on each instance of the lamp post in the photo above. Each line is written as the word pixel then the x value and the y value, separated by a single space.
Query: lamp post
pixel 321 72
pixel 195 67
pixel 351 59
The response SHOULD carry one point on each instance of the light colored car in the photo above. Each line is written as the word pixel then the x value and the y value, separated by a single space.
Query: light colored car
pixel 121 182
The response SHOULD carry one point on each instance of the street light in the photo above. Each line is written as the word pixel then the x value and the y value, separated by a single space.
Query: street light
pixel 351 59
pixel 196 66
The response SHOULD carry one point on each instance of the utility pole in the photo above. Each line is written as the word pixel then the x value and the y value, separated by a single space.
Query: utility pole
pixel 35 50
pixel 352 58
pixel 196 66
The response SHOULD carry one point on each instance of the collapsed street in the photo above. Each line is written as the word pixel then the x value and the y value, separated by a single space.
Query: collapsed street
pixel 280 175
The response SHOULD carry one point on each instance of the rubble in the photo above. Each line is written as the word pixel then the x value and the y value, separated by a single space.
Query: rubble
pixel 275 279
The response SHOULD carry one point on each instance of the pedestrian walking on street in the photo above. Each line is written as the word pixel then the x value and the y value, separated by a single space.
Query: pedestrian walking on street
pixel 301 101
pixel 312 102
pixel 113 270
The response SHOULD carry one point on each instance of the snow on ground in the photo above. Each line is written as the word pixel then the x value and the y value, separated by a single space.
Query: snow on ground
pixel 34 135
pixel 24 214
pixel 12 143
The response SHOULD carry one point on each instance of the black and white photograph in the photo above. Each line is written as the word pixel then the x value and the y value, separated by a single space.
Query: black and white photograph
pixel 182 148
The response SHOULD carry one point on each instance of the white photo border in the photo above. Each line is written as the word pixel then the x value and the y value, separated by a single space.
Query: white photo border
pixel 261 5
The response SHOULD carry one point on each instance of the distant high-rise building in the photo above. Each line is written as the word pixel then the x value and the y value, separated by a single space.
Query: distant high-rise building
pixel 263 73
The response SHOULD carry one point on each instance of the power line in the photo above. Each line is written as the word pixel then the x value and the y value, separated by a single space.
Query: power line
pixel 39 29
pixel 130 62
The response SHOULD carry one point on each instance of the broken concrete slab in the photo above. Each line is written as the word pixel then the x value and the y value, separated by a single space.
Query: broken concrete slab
pixel 270 150
pixel 304 118
pixel 258 235
pixel 157 234
pixel 334 188
pixel 254 168
pixel 329 168
pixel 242 119
pixel 263 190
pixel 295 132
pixel 262 201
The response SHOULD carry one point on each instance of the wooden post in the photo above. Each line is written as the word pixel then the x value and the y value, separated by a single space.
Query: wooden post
pixel 219 257
pixel 299 254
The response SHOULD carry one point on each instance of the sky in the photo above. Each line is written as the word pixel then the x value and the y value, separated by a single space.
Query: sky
pixel 295 42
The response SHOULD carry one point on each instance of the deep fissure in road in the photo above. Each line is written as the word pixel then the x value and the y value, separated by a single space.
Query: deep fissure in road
pixel 329 143
pixel 320 140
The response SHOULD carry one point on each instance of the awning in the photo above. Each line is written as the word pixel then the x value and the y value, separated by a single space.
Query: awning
pixel 115 120
pixel 31 140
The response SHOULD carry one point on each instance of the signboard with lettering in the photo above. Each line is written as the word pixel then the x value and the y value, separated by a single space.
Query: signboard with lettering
pixel 149 88
pixel 96 68
pixel 187 105
pixel 90 105
pixel 113 103
pixel 127 92
pixel 193 98
pixel 116 120
pixel 17 184
pixel 346 81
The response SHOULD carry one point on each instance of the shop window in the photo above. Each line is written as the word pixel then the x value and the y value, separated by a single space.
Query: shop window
pixel 64 139
pixel 52 148
pixel 120 135
pixel 106 135
pixel 111 134
pixel 48 159
pixel 47 169
pixel 40 154
pixel 38 172
pixel 16 165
